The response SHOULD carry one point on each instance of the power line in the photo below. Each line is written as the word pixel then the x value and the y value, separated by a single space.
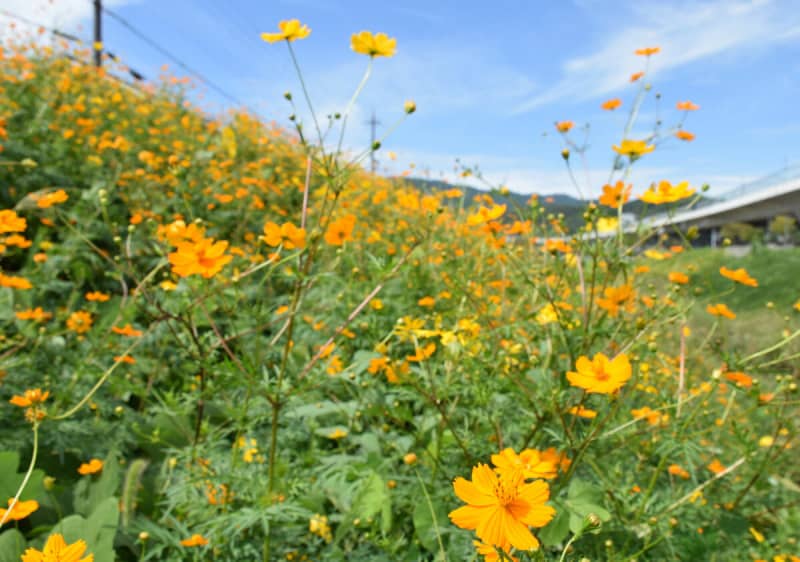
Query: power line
pixel 153 44
pixel 53 30
pixel 69 37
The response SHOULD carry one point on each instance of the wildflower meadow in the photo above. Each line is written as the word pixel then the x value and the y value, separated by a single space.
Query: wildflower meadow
pixel 227 340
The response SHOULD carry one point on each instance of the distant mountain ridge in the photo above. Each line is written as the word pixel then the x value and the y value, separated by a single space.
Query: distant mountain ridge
pixel 571 207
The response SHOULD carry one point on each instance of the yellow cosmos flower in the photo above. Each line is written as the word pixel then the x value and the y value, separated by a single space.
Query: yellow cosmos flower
pixel 290 30
pixel 665 192
pixel 600 374
pixel 501 509
pixel 11 222
pixel 377 45
pixel 205 257
pixel 287 234
pixel 486 214
pixel 530 462
pixel 633 148
pixel 57 550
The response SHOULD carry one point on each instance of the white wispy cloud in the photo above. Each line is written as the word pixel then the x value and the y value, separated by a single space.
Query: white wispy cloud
pixel 686 32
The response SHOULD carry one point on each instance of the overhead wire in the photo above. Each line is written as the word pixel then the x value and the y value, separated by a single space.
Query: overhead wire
pixel 172 57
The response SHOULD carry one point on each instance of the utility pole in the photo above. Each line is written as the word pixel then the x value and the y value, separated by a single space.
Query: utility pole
pixel 373 123
pixel 98 33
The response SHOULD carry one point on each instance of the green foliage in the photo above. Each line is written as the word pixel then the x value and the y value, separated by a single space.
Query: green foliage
pixel 740 231
pixel 315 398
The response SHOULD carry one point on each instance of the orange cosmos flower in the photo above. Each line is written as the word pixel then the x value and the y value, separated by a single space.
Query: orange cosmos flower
pixel 564 126
pixel 616 195
pixel 422 353
pixel 205 257
pixel 600 375
pixel 716 467
pixel 287 234
pixel 720 310
pixel 92 467
pixel 97 296
pixel 553 246
pixel 582 412
pixel 633 148
pixel 614 297
pixel 611 105
pixel 685 136
pixel 530 462
pixel 678 277
pixel 14 282
pixel 127 330
pixel 653 416
pixel 57 550
pixel 501 509
pixel 340 230
pixel 35 314
pixel 665 192
pixel 559 459
pixel 677 470
pixel 177 232
pixel 20 510
pixel 647 51
pixel 53 198
pixel 426 301
pixel 30 397
pixel 195 540
pixel 290 30
pixel 377 45
pixel 740 379
pixel 79 322
pixel 489 552
pixel 18 241
pixel 636 75
pixel 11 222
pixel 740 276
pixel 687 106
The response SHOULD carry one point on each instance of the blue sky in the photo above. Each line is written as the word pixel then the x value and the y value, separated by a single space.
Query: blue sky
pixel 491 78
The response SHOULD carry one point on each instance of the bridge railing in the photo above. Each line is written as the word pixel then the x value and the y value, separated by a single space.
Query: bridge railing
pixel 788 173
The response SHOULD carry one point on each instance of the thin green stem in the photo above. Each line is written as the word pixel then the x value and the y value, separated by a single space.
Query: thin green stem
pixel 27 477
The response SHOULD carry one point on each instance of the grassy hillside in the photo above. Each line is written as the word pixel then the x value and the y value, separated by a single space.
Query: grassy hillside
pixel 220 341
pixel 762 313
